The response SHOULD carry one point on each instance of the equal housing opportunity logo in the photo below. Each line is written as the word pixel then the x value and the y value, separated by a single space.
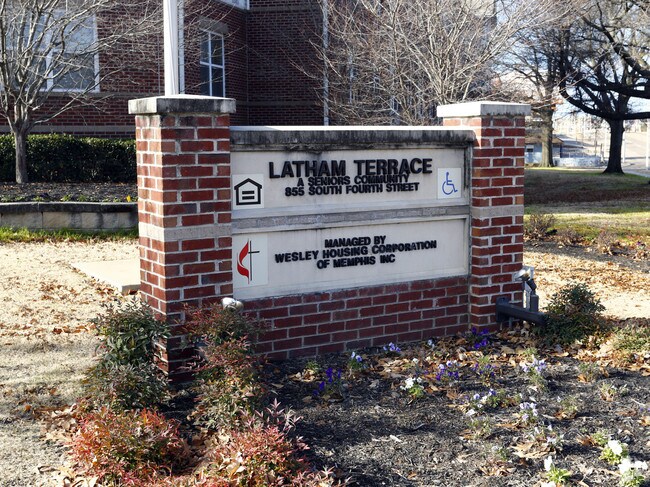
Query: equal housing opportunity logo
pixel 248 191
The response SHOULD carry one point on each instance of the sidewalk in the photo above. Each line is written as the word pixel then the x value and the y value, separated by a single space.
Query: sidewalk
pixel 636 165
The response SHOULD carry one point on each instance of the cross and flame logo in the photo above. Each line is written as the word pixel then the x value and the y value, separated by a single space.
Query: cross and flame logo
pixel 250 260
pixel 244 257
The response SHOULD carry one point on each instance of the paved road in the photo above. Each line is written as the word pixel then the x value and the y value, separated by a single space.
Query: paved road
pixel 635 153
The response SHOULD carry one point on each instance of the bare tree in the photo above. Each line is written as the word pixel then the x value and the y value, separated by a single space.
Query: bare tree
pixel 531 74
pixel 394 61
pixel 603 61
pixel 625 27
pixel 50 56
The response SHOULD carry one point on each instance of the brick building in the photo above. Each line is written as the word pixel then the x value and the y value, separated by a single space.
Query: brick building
pixel 258 52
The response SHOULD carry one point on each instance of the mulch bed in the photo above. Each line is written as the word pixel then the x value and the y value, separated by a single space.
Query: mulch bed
pixel 373 432
pixel 100 192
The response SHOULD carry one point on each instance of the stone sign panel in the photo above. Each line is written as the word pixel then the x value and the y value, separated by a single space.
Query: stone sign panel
pixel 346 180
pixel 298 261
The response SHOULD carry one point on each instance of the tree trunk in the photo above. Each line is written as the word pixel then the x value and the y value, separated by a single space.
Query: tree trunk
pixel 547 138
pixel 20 140
pixel 616 128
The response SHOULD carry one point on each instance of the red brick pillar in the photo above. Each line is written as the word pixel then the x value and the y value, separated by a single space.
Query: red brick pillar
pixel 184 207
pixel 497 201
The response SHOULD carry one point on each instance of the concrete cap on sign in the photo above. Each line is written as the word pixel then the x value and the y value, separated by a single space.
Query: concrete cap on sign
pixel 182 104
pixel 483 109
pixel 323 138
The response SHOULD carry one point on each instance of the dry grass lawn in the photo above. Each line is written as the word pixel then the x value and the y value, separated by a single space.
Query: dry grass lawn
pixel 45 344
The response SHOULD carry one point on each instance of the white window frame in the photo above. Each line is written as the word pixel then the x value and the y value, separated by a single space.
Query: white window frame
pixel 209 64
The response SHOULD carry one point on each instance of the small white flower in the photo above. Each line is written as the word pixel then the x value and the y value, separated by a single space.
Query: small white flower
pixel 415 361
pixel 430 342
pixel 470 413
pixel 409 383
pixel 615 446
pixel 639 465
pixel 548 463
pixel 625 465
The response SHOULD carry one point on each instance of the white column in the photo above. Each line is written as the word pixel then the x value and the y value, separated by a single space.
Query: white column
pixel 170 34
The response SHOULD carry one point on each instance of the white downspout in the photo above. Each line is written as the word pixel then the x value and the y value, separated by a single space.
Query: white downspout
pixel 326 83
pixel 170 39
pixel 181 46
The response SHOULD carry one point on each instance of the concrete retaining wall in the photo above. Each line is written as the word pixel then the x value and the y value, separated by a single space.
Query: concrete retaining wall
pixel 583 161
pixel 72 215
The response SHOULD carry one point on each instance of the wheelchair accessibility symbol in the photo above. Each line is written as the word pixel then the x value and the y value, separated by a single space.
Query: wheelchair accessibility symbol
pixel 448 186
pixel 450 182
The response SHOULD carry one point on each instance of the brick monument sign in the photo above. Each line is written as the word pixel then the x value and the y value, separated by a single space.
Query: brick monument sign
pixel 339 237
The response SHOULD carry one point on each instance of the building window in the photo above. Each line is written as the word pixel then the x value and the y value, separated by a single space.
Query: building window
pixel 243 4
pixel 60 55
pixel 78 63
pixel 213 80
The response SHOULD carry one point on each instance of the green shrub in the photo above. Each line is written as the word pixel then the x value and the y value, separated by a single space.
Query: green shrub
pixel 128 332
pixel 217 325
pixel 574 313
pixel 132 448
pixel 7 158
pixel 125 386
pixel 264 453
pixel 64 159
pixel 228 388
pixel 125 376
pixel 631 340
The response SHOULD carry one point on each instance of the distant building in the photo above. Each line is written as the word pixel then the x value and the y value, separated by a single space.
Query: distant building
pixel 534 147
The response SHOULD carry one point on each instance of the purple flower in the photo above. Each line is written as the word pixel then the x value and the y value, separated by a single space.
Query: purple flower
pixel 392 348
pixel 330 374
pixel 321 388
